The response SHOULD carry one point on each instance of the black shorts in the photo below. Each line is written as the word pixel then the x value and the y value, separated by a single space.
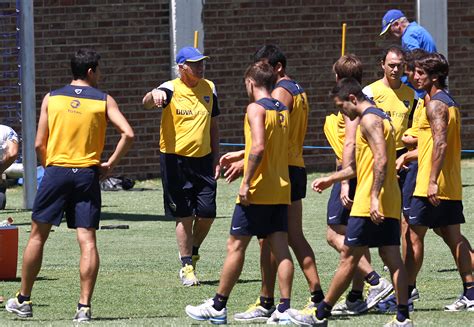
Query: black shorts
pixel 423 213
pixel 337 214
pixel 298 179
pixel 409 187
pixel 71 191
pixel 361 231
pixel 259 219
pixel 189 187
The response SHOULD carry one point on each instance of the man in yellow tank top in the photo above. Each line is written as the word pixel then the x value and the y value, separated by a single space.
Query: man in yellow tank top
pixel 189 154
pixel 437 201
pixel 293 96
pixel 262 203
pixel 69 144
pixel 375 214
pixel 341 199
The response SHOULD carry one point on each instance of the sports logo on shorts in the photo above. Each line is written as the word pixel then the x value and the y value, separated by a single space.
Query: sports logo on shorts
pixel 207 98
pixel 75 103
pixel 78 91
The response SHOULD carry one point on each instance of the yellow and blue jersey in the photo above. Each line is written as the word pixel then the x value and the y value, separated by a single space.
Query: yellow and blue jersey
pixel 389 197
pixel 397 103
pixel 186 118
pixel 271 182
pixel 449 180
pixel 335 131
pixel 77 122
pixel 298 121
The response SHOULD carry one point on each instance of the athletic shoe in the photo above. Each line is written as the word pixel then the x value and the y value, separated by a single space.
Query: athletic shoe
pixel 389 305
pixel 22 310
pixel 279 318
pixel 306 318
pixel 255 312
pixel 415 295
pixel 376 293
pixel 206 311
pixel 187 276
pixel 463 303
pixel 83 314
pixel 196 258
pixel 347 308
pixel 396 323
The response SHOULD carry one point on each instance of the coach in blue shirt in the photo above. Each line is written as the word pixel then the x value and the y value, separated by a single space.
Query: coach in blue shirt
pixel 413 36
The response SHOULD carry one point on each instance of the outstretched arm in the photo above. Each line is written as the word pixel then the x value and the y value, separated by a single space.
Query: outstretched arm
pixel 372 128
pixel 438 116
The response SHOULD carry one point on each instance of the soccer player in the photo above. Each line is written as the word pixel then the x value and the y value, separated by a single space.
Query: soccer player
pixel 375 213
pixel 69 143
pixel 189 155
pixel 437 201
pixel 340 131
pixel 264 195
pixel 292 95
pixel 412 35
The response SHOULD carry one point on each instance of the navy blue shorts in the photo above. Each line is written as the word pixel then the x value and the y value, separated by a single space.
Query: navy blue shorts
pixel 337 214
pixel 71 191
pixel 260 220
pixel 409 187
pixel 423 213
pixel 361 231
pixel 189 187
pixel 298 179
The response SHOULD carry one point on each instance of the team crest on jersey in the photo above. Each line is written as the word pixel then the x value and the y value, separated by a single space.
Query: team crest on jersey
pixel 406 103
pixel 207 98
pixel 78 91
pixel 75 103
pixel 282 118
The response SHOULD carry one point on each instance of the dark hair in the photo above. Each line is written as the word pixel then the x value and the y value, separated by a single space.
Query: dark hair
pixel 395 49
pixel 272 53
pixel 263 75
pixel 347 86
pixel 349 65
pixel 412 56
pixel 435 64
pixel 82 60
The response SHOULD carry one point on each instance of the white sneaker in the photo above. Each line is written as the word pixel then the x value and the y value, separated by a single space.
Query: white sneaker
pixel 378 292
pixel 187 276
pixel 255 312
pixel 463 303
pixel 279 318
pixel 206 311
pixel 396 323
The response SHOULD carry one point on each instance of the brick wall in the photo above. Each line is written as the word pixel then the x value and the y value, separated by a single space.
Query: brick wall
pixel 133 39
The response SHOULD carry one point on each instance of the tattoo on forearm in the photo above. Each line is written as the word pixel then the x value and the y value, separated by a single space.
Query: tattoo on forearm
pixel 438 116
pixel 255 158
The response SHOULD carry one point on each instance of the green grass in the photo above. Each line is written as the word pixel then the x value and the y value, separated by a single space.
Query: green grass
pixel 138 283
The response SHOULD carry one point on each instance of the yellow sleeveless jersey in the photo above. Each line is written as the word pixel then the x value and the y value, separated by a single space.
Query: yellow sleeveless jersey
pixel 396 103
pixel 335 131
pixel 390 198
pixel 76 123
pixel 186 119
pixel 413 130
pixel 298 121
pixel 271 182
pixel 449 180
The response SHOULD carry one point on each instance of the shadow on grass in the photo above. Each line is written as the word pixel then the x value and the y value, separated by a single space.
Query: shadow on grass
pixel 138 217
pixel 447 270
pixel 18 279
pixel 131 318
pixel 240 281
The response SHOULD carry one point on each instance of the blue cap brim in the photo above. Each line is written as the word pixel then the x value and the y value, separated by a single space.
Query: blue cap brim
pixel 198 58
pixel 385 30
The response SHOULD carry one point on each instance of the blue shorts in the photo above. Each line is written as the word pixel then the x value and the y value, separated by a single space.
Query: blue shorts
pixel 298 179
pixel 71 191
pixel 259 220
pixel 361 231
pixel 337 214
pixel 423 213
pixel 409 187
pixel 189 187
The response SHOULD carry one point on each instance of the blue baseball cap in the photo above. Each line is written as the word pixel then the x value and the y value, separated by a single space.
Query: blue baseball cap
pixel 189 54
pixel 390 16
